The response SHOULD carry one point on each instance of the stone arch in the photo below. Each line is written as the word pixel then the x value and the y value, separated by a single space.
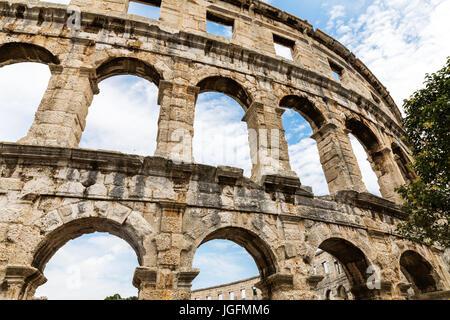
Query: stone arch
pixel 376 155
pixel 57 238
pixel 127 66
pixel 258 249
pixel 418 271
pixel 354 262
pixel 16 52
pixel 306 108
pixel 226 86
pixel 342 293
pixel 380 157
pixel 364 134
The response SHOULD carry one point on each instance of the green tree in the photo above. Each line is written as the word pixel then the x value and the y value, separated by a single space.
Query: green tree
pixel 427 125
pixel 118 297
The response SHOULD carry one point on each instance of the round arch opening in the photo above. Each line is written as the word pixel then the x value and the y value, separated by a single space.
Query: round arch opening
pixel 79 230
pixel 244 242
pixel 342 264
pixel 418 272
pixel 226 86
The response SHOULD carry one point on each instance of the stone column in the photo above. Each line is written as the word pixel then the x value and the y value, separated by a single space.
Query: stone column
pixel 20 282
pixel 163 284
pixel 268 145
pixel 338 161
pixel 61 116
pixel 176 121
pixel 388 173
pixel 167 280
pixel 281 286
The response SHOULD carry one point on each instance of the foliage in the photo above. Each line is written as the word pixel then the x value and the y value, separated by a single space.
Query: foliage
pixel 118 297
pixel 427 125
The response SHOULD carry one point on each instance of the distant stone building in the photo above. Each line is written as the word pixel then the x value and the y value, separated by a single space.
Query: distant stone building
pixel 239 290
pixel 335 284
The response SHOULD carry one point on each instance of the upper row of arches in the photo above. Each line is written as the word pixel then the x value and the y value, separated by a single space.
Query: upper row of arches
pixel 20 52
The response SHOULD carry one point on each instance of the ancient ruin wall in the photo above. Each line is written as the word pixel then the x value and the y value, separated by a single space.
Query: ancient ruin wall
pixel 166 206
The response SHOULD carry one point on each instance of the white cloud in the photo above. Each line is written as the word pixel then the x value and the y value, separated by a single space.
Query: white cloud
pixel 305 161
pixel 283 51
pixel 220 137
pixel 123 117
pixel 336 12
pixel 16 108
pixel 400 41
pixel 368 175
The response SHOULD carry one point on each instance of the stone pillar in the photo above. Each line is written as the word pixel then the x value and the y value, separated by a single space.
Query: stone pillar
pixel 20 282
pixel 167 280
pixel 338 161
pixel 164 284
pixel 262 36
pixel 388 173
pixel 176 121
pixel 276 286
pixel 281 287
pixel 61 116
pixel 268 145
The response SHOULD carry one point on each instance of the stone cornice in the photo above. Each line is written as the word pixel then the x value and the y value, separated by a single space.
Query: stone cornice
pixel 92 22
pixel 28 155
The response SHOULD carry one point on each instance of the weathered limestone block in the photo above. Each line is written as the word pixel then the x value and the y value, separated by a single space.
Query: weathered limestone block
pixel 268 146
pixel 176 121
pixel 107 6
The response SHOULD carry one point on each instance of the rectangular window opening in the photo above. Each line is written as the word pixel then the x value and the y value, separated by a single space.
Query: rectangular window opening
pixel 243 294
pixel 283 47
pixel 145 8
pixel 219 25
pixel 220 296
pixel 338 267
pixel 336 70
pixel 325 267
pixel 231 295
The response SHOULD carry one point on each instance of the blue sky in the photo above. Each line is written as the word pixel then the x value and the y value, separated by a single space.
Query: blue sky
pixel 399 40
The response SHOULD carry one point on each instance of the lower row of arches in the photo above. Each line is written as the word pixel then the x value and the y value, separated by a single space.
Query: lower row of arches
pixel 101 264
